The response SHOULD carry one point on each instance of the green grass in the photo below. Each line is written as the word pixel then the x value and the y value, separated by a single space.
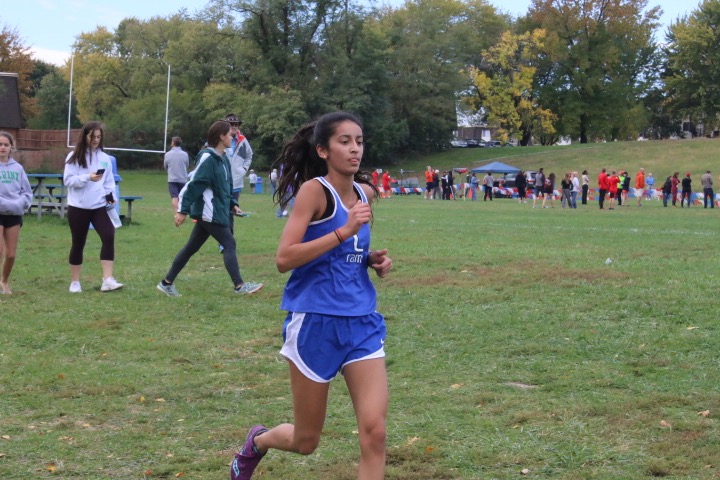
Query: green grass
pixel 511 344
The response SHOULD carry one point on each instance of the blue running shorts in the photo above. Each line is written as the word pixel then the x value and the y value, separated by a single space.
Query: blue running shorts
pixel 321 345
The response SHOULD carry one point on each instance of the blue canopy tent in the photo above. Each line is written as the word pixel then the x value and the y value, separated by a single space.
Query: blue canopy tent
pixel 495 167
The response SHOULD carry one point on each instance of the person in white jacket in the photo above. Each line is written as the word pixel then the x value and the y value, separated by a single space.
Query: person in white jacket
pixel 15 198
pixel 90 185
pixel 240 155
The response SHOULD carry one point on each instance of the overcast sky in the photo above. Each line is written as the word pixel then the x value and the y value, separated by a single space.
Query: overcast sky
pixel 50 27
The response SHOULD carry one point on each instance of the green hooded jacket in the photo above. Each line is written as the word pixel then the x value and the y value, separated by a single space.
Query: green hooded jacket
pixel 208 194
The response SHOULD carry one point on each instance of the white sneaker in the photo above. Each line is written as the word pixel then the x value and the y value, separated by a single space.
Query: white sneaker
pixel 75 287
pixel 110 284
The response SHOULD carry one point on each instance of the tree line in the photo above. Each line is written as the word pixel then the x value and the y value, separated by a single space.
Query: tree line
pixel 593 70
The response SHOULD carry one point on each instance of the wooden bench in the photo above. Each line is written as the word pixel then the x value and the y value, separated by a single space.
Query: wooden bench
pixel 129 199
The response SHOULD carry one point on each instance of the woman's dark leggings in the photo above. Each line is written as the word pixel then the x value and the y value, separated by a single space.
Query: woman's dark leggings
pixel 79 220
pixel 199 235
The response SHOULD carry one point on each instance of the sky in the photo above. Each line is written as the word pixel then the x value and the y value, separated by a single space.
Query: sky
pixel 50 27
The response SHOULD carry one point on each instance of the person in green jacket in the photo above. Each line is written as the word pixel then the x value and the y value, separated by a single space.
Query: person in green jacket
pixel 208 199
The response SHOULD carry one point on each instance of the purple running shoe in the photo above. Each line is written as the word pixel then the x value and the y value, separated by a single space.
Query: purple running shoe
pixel 247 459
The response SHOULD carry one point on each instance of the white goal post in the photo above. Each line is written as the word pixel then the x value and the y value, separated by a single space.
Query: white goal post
pixel 167 110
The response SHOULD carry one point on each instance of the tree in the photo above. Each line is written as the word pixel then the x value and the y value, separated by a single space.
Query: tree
pixel 505 87
pixel 430 42
pixel 52 99
pixel 692 74
pixel 15 58
pixel 121 79
pixel 596 65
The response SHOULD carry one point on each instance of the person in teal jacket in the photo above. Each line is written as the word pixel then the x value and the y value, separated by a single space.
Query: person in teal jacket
pixel 207 199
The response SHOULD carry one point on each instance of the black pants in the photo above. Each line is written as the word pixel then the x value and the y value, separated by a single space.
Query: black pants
pixel 601 197
pixel 685 194
pixel 199 235
pixel 584 194
pixel 709 197
pixel 488 193
pixel 79 220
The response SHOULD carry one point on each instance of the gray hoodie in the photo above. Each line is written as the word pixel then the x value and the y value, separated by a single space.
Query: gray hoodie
pixel 15 191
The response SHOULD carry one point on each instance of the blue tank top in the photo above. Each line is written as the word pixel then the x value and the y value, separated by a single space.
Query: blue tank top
pixel 337 282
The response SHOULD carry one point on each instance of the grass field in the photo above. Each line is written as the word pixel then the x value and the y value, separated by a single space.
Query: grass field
pixel 512 344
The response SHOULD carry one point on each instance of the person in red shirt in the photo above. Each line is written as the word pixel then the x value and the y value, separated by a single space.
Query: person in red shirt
pixel 612 187
pixel 603 187
pixel 429 183
pixel 387 191
pixel 674 187
pixel 640 186
pixel 375 177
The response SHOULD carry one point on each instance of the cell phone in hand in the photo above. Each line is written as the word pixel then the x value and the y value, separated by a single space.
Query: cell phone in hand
pixel 100 172
pixel 241 214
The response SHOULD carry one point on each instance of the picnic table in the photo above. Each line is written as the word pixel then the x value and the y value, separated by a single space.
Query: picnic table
pixel 44 195
pixel 129 199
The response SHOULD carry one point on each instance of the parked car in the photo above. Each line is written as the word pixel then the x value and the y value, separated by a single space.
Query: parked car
pixel 472 143
pixel 493 143
pixel 509 180
pixel 458 144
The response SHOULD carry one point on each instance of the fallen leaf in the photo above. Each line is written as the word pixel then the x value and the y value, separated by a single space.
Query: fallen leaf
pixel 51 468
pixel 159 399
pixel 704 413
pixel 180 475
pixel 142 398
pixel 412 440
pixel 457 385
pixel 148 473
pixel 61 376
pixel 525 471
pixel 429 449
pixel 692 328
pixel 665 424
pixel 5 437
pixel 32 427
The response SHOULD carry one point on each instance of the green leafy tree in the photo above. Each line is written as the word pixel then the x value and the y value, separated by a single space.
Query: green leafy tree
pixel 430 42
pixel 692 74
pixel 596 63
pixel 52 99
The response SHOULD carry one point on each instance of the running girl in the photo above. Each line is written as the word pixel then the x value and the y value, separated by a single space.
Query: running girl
pixel 332 325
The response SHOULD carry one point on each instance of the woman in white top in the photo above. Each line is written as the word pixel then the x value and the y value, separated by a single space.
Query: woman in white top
pixel 90 182
pixel 585 186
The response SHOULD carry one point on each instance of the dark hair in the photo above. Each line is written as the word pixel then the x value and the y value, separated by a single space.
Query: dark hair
pixel 11 139
pixel 81 148
pixel 584 172
pixel 176 141
pixel 217 130
pixel 299 161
